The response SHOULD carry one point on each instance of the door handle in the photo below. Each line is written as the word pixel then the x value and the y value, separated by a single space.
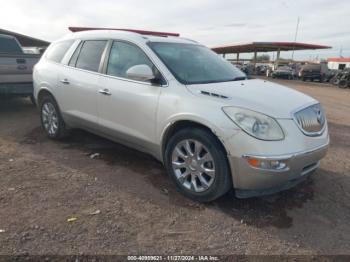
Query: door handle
pixel 105 92
pixel 65 81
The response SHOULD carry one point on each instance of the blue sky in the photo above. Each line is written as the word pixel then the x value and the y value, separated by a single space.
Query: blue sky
pixel 210 22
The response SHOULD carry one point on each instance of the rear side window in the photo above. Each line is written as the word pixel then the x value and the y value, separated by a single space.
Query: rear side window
pixel 90 55
pixel 57 51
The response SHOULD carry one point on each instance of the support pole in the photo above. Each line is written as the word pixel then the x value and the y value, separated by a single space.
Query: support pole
pixel 224 55
pixel 237 58
pixel 255 57
pixel 277 58
pixel 254 62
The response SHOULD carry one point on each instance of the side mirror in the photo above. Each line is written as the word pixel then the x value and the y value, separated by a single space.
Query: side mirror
pixel 140 73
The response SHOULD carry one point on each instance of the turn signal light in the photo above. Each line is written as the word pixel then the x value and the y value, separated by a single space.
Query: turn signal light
pixel 268 164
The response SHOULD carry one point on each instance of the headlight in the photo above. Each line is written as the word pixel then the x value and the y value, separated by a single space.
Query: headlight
pixel 255 124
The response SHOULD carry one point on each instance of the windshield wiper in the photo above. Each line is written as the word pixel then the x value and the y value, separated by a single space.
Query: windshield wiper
pixel 239 78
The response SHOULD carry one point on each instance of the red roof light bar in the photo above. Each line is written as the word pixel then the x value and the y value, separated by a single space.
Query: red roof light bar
pixel 142 32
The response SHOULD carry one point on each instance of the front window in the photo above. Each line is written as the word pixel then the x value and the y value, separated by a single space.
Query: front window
pixel 195 64
pixel 123 56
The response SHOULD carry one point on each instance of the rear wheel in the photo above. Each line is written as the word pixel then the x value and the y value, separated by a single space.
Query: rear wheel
pixel 197 163
pixel 51 119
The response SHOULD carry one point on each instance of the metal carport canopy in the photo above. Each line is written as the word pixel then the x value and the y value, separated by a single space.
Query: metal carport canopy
pixel 26 41
pixel 266 47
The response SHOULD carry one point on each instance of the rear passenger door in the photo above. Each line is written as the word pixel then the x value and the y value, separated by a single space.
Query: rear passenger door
pixel 80 82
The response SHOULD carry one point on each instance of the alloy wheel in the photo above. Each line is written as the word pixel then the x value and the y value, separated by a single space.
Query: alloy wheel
pixel 193 165
pixel 50 118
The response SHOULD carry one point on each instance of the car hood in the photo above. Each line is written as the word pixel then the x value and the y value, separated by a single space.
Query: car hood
pixel 262 96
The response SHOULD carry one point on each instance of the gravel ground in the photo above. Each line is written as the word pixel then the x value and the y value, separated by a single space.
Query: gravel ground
pixel 122 202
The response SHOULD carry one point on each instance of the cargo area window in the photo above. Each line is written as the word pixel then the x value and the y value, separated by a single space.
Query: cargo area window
pixel 57 51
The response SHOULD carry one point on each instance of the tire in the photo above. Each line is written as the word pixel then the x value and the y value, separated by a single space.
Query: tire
pixel 343 84
pixel 32 99
pixel 57 130
pixel 215 185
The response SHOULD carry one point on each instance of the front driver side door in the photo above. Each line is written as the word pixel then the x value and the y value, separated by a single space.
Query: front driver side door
pixel 127 111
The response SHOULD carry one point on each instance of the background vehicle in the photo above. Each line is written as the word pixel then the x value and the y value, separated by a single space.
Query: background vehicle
pixel 313 72
pixel 283 72
pixel 15 68
pixel 344 80
pixel 337 75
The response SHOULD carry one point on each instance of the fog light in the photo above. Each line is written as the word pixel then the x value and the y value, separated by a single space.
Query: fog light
pixel 268 164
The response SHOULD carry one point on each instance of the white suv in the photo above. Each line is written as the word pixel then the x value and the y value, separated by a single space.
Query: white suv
pixel 177 100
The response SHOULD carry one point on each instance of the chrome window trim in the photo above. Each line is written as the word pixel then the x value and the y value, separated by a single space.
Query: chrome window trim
pixel 104 60
pixel 119 78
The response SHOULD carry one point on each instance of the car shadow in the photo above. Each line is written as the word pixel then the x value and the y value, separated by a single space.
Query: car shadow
pixel 258 212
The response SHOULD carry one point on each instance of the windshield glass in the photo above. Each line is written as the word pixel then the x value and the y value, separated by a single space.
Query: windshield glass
pixel 195 64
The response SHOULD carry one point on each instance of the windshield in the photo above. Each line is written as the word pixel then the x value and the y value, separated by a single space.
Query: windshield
pixel 195 64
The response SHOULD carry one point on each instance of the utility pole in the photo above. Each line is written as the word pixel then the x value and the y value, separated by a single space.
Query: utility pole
pixel 296 35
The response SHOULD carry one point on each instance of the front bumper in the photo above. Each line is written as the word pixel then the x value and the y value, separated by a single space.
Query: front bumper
pixel 253 181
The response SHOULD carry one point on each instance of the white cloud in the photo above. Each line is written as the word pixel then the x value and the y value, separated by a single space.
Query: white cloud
pixel 208 21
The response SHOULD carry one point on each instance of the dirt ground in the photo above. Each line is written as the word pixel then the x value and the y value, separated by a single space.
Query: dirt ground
pixel 124 203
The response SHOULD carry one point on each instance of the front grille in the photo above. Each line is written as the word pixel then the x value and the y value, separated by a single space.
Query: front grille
pixel 311 120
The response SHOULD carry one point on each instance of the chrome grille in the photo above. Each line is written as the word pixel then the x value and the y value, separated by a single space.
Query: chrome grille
pixel 311 120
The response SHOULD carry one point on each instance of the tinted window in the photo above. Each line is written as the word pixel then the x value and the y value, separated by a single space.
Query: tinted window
pixel 196 64
pixel 9 45
pixel 90 55
pixel 123 56
pixel 57 51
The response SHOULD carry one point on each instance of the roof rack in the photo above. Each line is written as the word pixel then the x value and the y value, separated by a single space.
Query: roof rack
pixel 142 32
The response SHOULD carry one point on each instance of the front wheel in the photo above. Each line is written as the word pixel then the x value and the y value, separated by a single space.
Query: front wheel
pixel 197 163
pixel 51 119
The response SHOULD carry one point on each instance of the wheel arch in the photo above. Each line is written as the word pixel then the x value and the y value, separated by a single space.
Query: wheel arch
pixel 178 125
pixel 42 93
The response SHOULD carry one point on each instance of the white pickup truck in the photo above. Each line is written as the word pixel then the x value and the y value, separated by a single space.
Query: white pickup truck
pixel 16 68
